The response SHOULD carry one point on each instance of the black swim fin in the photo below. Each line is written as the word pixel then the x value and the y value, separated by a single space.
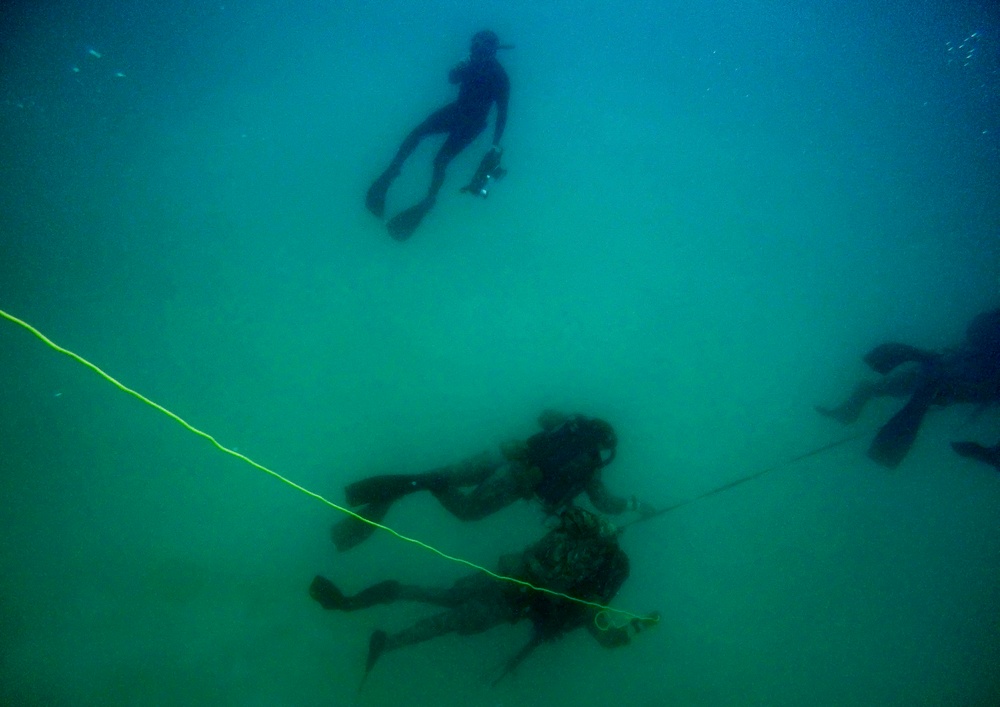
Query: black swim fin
pixel 375 198
pixel 326 593
pixel 894 439
pixel 402 225
pixel 376 647
pixel 515 660
pixel 974 450
pixel 885 357
pixel 350 532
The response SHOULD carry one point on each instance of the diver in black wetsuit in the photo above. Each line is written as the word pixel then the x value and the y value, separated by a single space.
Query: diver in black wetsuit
pixel 581 558
pixel 482 81
pixel 967 373
pixel 553 466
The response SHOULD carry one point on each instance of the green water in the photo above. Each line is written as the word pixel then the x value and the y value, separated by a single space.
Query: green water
pixel 713 210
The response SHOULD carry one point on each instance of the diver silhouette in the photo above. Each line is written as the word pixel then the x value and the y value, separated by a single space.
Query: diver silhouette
pixel 482 81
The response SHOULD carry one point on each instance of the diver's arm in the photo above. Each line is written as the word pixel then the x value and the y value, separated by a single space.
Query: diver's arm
pixel 457 72
pixel 607 502
pixel 503 97
pixel 604 500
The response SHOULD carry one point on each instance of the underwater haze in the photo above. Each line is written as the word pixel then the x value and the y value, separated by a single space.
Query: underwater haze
pixel 712 210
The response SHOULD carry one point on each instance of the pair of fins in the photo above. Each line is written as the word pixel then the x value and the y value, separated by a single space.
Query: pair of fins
pixel 895 438
pixel 404 224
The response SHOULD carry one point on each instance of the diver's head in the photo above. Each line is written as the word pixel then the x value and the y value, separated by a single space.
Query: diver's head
pixel 484 45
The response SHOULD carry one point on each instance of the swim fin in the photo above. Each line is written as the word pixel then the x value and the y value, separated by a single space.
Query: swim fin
pixel 402 225
pixel 375 198
pixel 885 357
pixel 376 647
pixel 894 439
pixel 515 660
pixel 350 531
pixel 974 450
pixel 326 593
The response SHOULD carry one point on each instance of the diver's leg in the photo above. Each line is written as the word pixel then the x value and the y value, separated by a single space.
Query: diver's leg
pixel 898 384
pixel 465 589
pixel 492 495
pixel 457 141
pixel 424 630
pixel 849 410
pixel 462 591
pixel 387 488
pixel 402 225
pixel 889 356
pixel 331 597
pixel 481 602
pixel 438 122
pixel 484 612
pixel 468 472
pixel 376 494
pixel 384 488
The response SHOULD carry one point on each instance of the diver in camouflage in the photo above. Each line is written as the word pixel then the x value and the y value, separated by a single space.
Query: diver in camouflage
pixel 553 466
pixel 581 558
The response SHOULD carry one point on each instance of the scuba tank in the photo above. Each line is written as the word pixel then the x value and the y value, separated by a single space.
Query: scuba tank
pixel 568 455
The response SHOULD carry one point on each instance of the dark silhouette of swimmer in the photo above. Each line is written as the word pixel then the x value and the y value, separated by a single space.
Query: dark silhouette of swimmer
pixel 967 373
pixel 482 81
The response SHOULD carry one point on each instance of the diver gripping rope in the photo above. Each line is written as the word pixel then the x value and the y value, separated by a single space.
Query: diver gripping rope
pixel 260 467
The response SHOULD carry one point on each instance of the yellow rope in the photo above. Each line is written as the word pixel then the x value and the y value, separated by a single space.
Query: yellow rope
pixel 279 477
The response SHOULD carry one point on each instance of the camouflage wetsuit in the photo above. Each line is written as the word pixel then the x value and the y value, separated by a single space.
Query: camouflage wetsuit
pixel 580 558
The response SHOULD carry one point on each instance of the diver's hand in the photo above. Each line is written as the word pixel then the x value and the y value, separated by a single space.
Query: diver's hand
pixel 649 621
pixel 645 510
pixel 640 625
